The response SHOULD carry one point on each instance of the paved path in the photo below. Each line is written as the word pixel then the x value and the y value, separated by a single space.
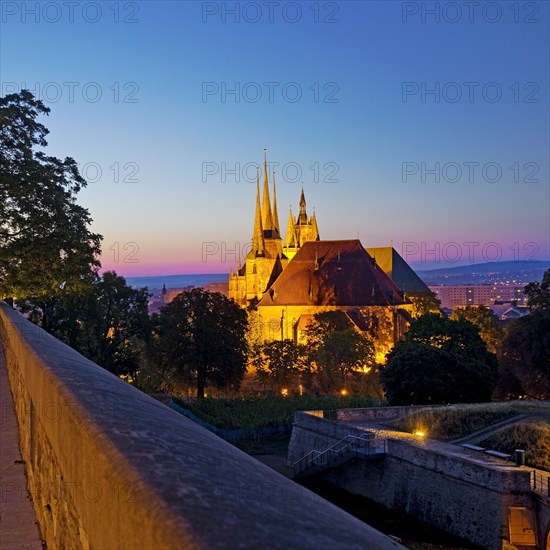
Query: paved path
pixel 484 433
pixel 18 529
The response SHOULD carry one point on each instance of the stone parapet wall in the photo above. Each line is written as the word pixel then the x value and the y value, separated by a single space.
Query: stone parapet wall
pixel 110 468
pixel 462 493
pixel 454 493
pixel 498 478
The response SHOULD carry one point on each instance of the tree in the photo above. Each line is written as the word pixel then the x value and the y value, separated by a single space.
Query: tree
pixel 202 335
pixel 45 244
pixel 324 323
pixel 439 361
pixel 538 294
pixel 424 301
pixel 106 321
pixel 280 364
pixel 337 349
pixel 524 357
pixel 486 322
pixel 348 351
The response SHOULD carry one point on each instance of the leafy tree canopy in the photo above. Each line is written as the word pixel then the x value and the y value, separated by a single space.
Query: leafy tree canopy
pixel 202 336
pixel 107 321
pixel 485 321
pixel 424 301
pixel 439 361
pixel 337 349
pixel 280 364
pixel 45 243
pixel 538 294
pixel 323 324
pixel 524 357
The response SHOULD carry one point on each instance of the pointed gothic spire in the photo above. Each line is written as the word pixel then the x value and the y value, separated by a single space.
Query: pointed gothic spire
pixel 258 244
pixel 302 216
pixel 290 239
pixel 267 218
pixel 275 213
pixel 314 228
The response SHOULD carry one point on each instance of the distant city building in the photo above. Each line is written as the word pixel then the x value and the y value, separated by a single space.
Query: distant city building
pixel 508 310
pixel 454 296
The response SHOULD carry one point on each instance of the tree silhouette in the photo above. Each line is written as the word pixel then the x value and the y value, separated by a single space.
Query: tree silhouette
pixel 202 336
pixel 46 247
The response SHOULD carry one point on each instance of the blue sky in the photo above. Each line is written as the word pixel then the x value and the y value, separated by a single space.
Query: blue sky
pixel 426 128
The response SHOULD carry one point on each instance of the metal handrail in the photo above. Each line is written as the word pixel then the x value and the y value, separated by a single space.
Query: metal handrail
pixel 324 458
pixel 540 483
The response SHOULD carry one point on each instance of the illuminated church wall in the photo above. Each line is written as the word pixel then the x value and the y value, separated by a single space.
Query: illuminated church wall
pixel 285 285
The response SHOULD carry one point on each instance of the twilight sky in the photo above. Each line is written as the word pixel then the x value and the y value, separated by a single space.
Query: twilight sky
pixel 421 123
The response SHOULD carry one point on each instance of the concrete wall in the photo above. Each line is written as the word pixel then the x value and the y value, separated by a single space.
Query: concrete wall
pixel 459 496
pixel 109 467
pixel 467 496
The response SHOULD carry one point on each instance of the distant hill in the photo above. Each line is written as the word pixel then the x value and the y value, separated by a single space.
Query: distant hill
pixel 155 282
pixel 487 273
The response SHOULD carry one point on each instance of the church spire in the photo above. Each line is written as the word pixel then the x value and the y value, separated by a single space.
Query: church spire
pixel 290 239
pixel 302 216
pixel 314 228
pixel 275 213
pixel 258 244
pixel 267 218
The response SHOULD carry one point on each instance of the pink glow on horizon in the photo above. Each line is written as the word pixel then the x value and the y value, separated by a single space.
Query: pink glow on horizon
pixel 158 269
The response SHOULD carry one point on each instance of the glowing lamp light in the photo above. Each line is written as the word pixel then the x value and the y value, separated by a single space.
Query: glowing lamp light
pixel 344 392
pixel 284 392
pixel 419 433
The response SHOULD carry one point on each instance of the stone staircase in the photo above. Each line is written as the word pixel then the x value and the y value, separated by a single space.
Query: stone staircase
pixel 351 446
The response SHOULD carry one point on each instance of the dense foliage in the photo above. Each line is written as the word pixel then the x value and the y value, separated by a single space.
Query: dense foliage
pixel 486 322
pixel 280 364
pixel 107 321
pixel 46 247
pixel 339 354
pixel 538 294
pixel 424 301
pixel 524 356
pixel 439 361
pixel 266 412
pixel 199 339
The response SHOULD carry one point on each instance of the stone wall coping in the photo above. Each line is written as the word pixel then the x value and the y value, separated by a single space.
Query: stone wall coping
pixel 178 484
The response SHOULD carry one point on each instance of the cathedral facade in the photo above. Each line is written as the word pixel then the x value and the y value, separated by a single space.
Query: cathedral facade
pixel 284 284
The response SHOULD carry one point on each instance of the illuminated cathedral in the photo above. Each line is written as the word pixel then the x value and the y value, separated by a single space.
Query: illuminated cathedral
pixel 286 284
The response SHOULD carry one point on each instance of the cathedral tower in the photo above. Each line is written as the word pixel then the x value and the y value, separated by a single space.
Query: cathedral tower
pixel 300 230
pixel 265 261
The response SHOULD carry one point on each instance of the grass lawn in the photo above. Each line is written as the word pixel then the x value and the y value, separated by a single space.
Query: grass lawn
pixel 251 413
pixel 532 436
pixel 456 421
